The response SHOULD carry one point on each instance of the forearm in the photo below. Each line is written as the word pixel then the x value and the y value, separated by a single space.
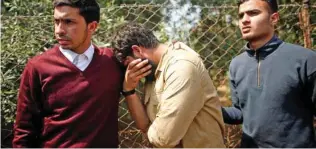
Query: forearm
pixel 137 110
pixel 233 114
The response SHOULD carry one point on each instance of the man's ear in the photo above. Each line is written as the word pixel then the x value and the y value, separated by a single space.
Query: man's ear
pixel 136 50
pixel 92 26
pixel 274 18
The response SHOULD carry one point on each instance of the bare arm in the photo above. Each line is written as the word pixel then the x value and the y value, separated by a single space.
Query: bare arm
pixel 137 110
pixel 136 71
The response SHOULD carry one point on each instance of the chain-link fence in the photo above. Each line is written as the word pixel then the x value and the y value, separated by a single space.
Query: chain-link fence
pixel 210 30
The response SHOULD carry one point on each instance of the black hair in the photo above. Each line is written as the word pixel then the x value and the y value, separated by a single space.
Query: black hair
pixel 132 34
pixel 273 4
pixel 89 9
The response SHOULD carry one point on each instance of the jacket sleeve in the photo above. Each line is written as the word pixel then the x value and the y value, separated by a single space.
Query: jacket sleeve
pixel 233 115
pixel 28 122
pixel 179 103
pixel 309 70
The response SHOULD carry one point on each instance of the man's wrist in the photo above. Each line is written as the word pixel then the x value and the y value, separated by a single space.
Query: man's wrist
pixel 126 93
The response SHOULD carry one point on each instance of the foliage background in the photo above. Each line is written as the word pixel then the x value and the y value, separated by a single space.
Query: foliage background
pixel 27 30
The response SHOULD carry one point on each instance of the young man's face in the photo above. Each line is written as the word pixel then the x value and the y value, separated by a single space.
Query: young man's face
pixel 255 21
pixel 71 30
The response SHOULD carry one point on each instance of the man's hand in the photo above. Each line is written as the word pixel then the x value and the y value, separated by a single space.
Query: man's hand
pixel 136 70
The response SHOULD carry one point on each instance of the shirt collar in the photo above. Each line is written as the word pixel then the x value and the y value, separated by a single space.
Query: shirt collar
pixel 160 64
pixel 267 48
pixel 89 52
pixel 70 55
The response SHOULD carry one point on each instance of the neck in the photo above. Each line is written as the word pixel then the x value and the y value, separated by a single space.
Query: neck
pixel 82 48
pixel 256 44
pixel 158 52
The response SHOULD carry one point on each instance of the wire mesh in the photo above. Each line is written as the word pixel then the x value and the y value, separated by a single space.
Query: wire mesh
pixel 213 33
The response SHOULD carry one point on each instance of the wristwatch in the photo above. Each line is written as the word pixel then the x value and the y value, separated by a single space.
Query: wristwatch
pixel 127 93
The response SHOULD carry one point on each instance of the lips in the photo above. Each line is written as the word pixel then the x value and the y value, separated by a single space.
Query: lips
pixel 63 41
pixel 245 29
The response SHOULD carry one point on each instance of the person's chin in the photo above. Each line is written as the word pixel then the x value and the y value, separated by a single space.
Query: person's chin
pixel 65 46
pixel 247 37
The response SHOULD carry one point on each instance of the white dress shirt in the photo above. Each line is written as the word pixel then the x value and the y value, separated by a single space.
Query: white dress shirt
pixel 81 61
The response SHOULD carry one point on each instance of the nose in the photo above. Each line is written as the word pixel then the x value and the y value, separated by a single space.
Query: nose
pixel 60 29
pixel 245 19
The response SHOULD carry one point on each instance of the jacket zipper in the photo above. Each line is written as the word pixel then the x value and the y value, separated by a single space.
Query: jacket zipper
pixel 258 68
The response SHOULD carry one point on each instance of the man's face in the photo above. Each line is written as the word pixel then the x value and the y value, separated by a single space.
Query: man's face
pixel 70 28
pixel 255 22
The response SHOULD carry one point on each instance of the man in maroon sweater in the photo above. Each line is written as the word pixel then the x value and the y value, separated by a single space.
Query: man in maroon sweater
pixel 69 95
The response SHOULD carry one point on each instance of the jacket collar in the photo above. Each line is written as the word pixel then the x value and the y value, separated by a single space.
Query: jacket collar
pixel 266 49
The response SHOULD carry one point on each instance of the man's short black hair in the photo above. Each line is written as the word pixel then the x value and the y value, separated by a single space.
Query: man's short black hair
pixel 273 4
pixel 89 9
pixel 132 34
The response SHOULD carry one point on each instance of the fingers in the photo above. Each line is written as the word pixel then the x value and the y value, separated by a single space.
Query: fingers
pixel 138 69
pixel 136 65
pixel 132 64
pixel 144 74
pixel 142 71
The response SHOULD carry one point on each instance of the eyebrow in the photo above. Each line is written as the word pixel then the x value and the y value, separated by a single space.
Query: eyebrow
pixel 251 10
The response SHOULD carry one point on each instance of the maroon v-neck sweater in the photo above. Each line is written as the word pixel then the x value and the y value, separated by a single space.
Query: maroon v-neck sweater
pixel 61 106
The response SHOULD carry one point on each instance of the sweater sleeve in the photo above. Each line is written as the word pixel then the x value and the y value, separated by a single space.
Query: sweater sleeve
pixel 27 126
pixel 232 115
